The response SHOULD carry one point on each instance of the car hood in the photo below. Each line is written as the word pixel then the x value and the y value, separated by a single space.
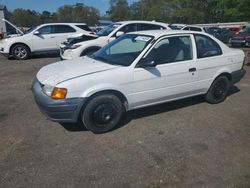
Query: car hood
pixel 12 25
pixel 65 70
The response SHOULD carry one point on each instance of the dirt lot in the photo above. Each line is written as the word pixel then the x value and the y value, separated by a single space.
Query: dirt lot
pixel 188 143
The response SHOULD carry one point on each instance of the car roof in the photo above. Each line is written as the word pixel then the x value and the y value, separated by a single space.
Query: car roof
pixel 197 26
pixel 159 33
pixel 64 24
pixel 141 21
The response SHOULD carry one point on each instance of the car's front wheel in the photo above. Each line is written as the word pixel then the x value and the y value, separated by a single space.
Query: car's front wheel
pixel 20 52
pixel 218 90
pixel 102 113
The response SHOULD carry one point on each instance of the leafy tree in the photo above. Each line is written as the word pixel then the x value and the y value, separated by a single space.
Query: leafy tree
pixel 119 10
pixel 25 18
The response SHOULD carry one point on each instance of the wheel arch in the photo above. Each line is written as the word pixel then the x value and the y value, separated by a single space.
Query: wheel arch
pixel 14 44
pixel 117 93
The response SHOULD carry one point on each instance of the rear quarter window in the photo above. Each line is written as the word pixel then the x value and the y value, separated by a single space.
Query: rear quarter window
pixel 206 47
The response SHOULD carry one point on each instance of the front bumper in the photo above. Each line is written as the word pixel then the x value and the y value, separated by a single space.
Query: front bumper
pixel 66 54
pixel 66 110
pixel 238 75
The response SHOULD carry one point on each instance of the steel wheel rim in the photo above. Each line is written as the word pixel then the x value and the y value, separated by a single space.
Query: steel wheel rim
pixel 219 90
pixel 103 114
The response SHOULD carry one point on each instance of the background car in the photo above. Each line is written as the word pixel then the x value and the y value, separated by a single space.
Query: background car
pixel 176 26
pixel 107 35
pixel 241 38
pixel 193 28
pixel 223 34
pixel 43 38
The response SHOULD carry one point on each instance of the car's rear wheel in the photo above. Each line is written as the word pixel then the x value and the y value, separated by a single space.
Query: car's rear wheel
pixel 20 52
pixel 102 113
pixel 218 90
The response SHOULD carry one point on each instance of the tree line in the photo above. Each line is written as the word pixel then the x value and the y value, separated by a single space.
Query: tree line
pixel 67 13
pixel 182 11
pixel 169 11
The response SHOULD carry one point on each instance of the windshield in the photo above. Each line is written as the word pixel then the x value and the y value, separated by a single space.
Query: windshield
pixel 30 30
pixel 124 50
pixel 107 30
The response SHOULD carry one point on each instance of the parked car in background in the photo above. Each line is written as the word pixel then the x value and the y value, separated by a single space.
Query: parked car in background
pixel 223 34
pixel 234 30
pixel 193 28
pixel 106 35
pixel 176 26
pixel 137 70
pixel 242 38
pixel 43 38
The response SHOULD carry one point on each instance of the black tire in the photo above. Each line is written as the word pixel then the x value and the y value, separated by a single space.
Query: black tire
pixel 20 52
pixel 102 113
pixel 218 90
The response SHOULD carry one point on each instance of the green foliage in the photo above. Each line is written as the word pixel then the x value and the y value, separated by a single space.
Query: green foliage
pixel 119 10
pixel 24 18
pixel 170 11
pixel 67 13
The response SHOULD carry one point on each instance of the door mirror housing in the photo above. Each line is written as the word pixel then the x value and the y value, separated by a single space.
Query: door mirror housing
pixel 36 33
pixel 119 33
pixel 147 62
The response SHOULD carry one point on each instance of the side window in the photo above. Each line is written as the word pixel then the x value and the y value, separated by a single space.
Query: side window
pixel 142 27
pixel 84 27
pixel 206 47
pixel 195 29
pixel 46 30
pixel 129 28
pixel 186 28
pixel 172 49
pixel 64 29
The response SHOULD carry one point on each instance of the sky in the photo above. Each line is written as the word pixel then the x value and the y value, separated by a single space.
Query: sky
pixel 53 5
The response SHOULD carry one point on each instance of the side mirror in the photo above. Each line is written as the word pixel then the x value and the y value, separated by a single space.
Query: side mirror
pixel 147 62
pixel 36 33
pixel 119 33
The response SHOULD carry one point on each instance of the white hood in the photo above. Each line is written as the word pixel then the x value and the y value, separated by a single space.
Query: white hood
pixel 64 70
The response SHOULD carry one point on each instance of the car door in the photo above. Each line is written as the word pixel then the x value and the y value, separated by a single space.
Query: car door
pixel 44 39
pixel 174 76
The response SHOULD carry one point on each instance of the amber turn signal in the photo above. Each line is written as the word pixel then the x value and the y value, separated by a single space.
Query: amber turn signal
pixel 59 93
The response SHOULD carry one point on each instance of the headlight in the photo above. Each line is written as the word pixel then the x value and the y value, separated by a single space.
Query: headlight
pixel 74 46
pixel 55 92
pixel 47 89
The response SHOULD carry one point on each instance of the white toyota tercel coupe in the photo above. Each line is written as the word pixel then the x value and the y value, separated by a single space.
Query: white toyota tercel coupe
pixel 137 70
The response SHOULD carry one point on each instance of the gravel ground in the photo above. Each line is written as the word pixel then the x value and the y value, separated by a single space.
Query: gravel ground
pixel 188 143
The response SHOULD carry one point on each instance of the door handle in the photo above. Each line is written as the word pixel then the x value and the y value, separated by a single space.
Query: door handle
pixel 52 37
pixel 192 69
